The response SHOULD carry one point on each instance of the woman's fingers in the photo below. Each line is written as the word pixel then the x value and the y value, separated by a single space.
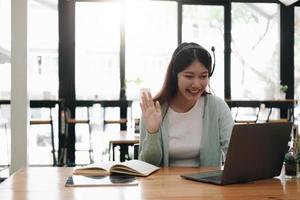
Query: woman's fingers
pixel 151 112
pixel 147 100
pixel 157 106
pixel 150 97
pixel 142 107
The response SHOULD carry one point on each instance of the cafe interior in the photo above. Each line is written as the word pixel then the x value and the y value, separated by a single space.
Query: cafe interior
pixel 71 71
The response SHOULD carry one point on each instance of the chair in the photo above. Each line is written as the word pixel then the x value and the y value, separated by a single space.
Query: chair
pixel 69 120
pixel 275 120
pixel 123 105
pixel 124 146
pixel 2 179
pixel 136 151
pixel 120 121
pixel 123 140
pixel 286 109
pixel 249 115
pixel 47 122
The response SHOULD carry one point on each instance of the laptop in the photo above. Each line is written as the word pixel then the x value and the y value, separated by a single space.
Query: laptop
pixel 256 151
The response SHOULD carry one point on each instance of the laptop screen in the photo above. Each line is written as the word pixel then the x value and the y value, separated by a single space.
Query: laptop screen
pixel 256 151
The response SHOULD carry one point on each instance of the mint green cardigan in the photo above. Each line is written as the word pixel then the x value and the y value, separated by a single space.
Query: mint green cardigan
pixel 216 132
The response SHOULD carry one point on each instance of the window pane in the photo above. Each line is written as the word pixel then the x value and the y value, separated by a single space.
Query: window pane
pixel 5 39
pixel 5 139
pixel 205 26
pixel 151 37
pixel 43 49
pixel 297 52
pixel 296 61
pixel 39 139
pixel 97 71
pixel 255 55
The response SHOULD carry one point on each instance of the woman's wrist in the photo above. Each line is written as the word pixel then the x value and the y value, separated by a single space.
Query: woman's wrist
pixel 152 131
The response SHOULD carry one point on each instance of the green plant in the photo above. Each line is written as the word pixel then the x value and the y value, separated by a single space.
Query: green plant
pixel 290 158
pixel 297 157
pixel 283 88
pixel 137 81
pixel 297 144
pixel 291 164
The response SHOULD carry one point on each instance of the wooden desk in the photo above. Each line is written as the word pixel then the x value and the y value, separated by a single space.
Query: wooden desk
pixel 123 139
pixel 48 184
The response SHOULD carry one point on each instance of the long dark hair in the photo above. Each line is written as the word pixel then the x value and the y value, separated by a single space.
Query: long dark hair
pixel 184 55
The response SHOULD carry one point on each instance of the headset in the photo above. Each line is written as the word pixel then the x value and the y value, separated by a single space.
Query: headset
pixel 195 46
pixel 191 46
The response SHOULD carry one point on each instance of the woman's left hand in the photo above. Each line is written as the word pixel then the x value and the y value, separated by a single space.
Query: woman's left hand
pixel 151 112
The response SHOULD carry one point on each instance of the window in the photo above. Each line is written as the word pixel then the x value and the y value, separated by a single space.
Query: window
pixel 42 75
pixel 151 38
pixel 255 70
pixel 205 26
pixel 5 39
pixel 296 59
pixel 5 85
pixel 43 49
pixel 97 71
pixel 297 52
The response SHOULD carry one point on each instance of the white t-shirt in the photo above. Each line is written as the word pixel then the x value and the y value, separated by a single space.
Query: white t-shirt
pixel 185 131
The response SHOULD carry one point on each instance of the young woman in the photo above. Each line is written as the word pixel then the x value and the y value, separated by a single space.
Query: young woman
pixel 185 125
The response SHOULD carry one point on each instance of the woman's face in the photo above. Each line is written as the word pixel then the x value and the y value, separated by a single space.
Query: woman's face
pixel 192 82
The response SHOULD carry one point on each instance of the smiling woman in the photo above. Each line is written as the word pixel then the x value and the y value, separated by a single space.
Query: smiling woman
pixel 185 125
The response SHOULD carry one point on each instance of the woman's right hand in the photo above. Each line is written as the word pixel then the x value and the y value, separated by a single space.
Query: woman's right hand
pixel 151 112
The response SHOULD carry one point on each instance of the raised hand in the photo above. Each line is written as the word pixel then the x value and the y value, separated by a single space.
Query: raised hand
pixel 151 112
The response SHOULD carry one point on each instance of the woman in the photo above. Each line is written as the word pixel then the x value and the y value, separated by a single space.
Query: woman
pixel 184 125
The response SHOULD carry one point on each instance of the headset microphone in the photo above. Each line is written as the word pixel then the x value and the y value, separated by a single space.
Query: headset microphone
pixel 213 66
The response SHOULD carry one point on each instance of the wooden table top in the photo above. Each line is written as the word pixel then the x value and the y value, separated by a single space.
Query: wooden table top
pixel 48 183
pixel 124 137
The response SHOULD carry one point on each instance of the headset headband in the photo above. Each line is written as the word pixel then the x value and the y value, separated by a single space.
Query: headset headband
pixel 193 46
pixel 190 46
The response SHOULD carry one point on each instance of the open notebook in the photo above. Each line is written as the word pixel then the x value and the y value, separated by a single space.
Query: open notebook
pixel 256 151
pixel 131 167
